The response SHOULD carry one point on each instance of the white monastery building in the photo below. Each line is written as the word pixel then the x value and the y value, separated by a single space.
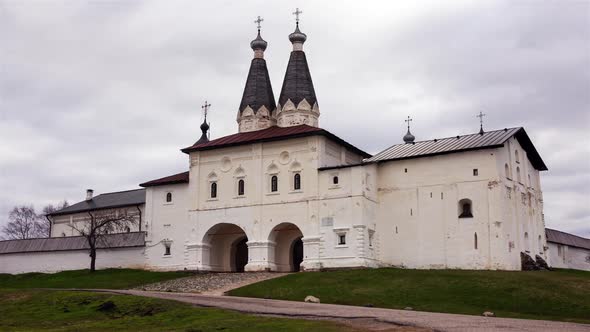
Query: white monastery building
pixel 283 194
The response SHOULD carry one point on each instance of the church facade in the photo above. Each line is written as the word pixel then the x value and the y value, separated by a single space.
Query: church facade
pixel 283 194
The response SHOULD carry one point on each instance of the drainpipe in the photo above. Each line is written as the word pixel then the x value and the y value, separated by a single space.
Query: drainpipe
pixel 139 210
pixel 50 224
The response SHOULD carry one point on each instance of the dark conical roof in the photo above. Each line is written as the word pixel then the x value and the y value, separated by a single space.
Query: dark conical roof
pixel 258 90
pixel 297 84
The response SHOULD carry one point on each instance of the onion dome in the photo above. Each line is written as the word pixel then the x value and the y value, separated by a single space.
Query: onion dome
pixel 408 137
pixel 297 36
pixel 204 129
pixel 258 43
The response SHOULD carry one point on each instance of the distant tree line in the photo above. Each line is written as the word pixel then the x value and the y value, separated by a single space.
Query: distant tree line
pixel 25 223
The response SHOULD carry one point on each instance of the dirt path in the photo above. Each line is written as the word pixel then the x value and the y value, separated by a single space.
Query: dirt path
pixel 372 319
pixel 210 283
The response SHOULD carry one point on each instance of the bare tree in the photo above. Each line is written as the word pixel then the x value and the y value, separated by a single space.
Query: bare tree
pixel 22 223
pixel 43 224
pixel 101 223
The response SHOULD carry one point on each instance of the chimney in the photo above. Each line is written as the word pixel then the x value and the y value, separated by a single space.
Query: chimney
pixel 89 193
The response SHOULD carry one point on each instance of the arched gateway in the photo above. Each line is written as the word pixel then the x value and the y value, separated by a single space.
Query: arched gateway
pixel 287 255
pixel 228 249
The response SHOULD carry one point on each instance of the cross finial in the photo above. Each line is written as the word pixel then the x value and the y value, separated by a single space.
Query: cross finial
pixel 205 109
pixel 480 116
pixel 297 12
pixel 258 21
pixel 408 120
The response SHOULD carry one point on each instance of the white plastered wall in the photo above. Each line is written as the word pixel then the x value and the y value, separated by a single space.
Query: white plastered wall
pixel 568 257
pixel 56 261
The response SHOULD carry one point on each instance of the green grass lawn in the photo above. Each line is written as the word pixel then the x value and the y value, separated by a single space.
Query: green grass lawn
pixel 41 310
pixel 109 278
pixel 555 295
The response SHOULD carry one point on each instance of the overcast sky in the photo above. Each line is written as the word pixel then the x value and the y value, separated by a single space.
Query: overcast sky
pixel 103 94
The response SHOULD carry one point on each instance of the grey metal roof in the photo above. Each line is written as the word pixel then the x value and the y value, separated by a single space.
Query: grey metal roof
pixel 105 201
pixel 490 139
pixel 258 90
pixel 297 84
pixel 122 240
pixel 560 237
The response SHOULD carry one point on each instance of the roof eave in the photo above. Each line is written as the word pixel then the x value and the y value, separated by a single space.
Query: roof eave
pixel 321 132
pixel 148 184
pixel 93 209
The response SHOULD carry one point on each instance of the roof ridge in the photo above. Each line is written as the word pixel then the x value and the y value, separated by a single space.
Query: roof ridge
pixel 117 192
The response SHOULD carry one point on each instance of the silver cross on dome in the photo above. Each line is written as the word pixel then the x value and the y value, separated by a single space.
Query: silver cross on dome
pixel 297 12
pixel 258 21
pixel 205 109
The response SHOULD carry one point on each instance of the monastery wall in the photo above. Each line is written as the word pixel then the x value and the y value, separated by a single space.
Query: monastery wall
pixel 568 257
pixel 56 261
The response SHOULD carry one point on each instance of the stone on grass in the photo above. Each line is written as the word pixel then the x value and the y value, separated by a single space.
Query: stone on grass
pixel 488 314
pixel 408 308
pixel 311 299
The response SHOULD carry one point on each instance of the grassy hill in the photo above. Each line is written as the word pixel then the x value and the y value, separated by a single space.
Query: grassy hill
pixel 108 278
pixel 554 295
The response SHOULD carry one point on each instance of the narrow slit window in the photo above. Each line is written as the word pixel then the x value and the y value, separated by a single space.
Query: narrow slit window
pixel 168 197
pixel 475 241
pixel 213 192
pixel 167 250
pixel 297 181
pixel 241 189
pixel 335 180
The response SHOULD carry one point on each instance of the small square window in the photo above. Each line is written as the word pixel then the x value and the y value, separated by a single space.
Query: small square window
pixel 341 239
pixel 475 172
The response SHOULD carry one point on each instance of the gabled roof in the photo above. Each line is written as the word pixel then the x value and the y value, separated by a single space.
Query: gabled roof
pixel 258 90
pixel 297 84
pixel 490 139
pixel 560 237
pixel 271 134
pixel 106 201
pixel 172 179
pixel 121 240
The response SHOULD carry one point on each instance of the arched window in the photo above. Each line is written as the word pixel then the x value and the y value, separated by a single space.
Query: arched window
pixel 518 174
pixel 63 234
pixel 475 241
pixel 213 192
pixel 526 242
pixel 127 229
pixel 274 184
pixel 335 179
pixel 540 245
pixel 168 197
pixel 465 208
pixel 530 183
pixel 516 156
pixel 507 171
pixel 297 181
pixel 241 187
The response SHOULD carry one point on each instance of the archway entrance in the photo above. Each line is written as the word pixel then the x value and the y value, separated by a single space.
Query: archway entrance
pixel 288 251
pixel 228 249
pixel 240 255
pixel 297 254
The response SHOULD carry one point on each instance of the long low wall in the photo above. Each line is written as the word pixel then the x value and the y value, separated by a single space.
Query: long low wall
pixel 56 261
